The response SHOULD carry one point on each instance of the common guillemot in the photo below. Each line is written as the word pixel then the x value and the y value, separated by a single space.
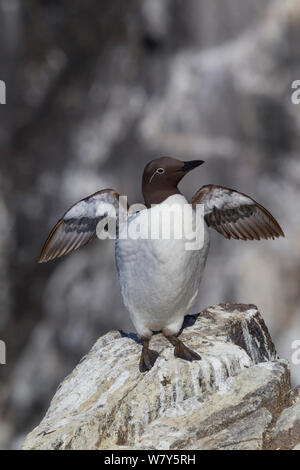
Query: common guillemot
pixel 160 278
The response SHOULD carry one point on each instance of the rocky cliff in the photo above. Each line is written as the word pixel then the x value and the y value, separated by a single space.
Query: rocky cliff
pixel 237 397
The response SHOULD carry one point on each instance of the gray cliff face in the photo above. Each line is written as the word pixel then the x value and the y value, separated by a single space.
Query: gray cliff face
pixel 237 397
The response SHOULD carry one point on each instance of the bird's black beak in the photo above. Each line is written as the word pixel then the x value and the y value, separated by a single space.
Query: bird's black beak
pixel 188 166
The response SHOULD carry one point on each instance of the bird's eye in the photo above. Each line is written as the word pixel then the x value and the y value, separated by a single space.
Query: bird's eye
pixel 158 171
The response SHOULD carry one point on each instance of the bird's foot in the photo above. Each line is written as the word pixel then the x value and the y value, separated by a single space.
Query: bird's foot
pixel 186 353
pixel 182 351
pixel 148 356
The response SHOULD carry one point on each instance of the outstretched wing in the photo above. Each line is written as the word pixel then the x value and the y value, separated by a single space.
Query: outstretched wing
pixel 236 215
pixel 78 225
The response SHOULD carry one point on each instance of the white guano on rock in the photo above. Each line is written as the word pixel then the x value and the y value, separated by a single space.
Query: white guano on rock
pixel 231 399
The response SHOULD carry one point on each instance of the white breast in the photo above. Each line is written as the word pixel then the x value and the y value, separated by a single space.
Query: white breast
pixel 160 278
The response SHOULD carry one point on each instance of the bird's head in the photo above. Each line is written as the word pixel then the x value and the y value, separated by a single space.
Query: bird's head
pixel 161 177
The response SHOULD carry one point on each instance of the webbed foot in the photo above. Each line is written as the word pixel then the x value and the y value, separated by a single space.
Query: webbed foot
pixel 148 356
pixel 182 351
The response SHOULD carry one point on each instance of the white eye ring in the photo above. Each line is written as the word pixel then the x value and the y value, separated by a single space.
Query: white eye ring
pixel 158 171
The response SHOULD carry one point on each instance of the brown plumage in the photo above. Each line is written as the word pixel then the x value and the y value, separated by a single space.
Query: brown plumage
pixel 248 220
pixel 231 213
pixel 73 232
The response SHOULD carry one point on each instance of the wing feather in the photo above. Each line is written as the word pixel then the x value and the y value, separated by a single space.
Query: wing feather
pixel 78 225
pixel 235 215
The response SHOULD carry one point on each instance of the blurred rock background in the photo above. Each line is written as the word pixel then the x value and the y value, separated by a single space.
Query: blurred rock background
pixel 95 89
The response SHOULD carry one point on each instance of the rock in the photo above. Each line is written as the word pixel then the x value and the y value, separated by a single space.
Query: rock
pixel 286 434
pixel 235 416
pixel 228 400
pixel 193 79
pixel 246 434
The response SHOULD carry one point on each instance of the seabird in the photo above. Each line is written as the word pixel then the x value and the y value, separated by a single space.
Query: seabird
pixel 160 278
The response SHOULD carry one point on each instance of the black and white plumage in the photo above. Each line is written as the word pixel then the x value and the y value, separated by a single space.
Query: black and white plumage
pixel 160 278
